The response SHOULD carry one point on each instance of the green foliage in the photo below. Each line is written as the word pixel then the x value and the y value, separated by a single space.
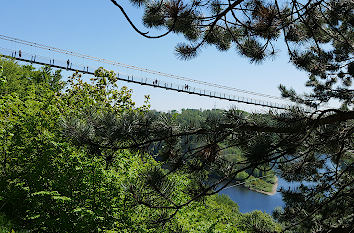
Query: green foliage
pixel 46 183
pixel 255 179
pixel 220 214
pixel 257 221
pixel 258 184
pixel 193 150
pixel 20 78
pixel 7 226
pixel 310 147
pixel 57 180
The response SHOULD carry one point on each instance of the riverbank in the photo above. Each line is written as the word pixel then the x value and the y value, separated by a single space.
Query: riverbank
pixel 249 200
pixel 274 189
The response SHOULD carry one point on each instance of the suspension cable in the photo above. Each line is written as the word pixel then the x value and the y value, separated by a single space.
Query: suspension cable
pixel 114 63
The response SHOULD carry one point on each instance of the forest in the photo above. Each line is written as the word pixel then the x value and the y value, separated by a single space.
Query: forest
pixel 50 184
pixel 255 179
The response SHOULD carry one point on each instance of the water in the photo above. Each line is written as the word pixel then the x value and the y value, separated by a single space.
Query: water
pixel 248 200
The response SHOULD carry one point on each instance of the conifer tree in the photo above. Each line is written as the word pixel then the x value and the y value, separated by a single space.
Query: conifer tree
pixel 315 148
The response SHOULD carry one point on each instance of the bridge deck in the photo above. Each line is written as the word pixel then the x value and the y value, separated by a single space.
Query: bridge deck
pixel 156 83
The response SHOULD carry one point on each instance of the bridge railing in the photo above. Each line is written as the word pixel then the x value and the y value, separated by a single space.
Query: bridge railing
pixel 150 81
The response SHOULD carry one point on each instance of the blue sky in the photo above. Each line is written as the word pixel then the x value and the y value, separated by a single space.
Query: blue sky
pixel 98 28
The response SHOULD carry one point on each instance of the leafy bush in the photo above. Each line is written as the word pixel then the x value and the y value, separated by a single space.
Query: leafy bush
pixel 257 221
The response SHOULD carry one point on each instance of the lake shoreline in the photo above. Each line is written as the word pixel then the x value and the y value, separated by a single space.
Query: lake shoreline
pixel 274 189
pixel 250 200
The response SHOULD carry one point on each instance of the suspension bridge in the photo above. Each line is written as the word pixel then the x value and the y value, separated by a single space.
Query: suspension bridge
pixel 22 55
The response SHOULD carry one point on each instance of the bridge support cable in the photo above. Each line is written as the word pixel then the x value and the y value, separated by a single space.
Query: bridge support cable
pixel 147 81
pixel 131 67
